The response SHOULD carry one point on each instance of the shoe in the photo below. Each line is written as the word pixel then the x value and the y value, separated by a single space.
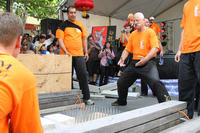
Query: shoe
pixel 117 103
pixel 89 102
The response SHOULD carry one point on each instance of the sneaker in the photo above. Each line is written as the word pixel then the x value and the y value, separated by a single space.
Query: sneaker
pixel 116 103
pixel 89 102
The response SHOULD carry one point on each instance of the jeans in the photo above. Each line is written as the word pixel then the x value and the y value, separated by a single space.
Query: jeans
pixel 189 76
pixel 79 64
pixel 148 72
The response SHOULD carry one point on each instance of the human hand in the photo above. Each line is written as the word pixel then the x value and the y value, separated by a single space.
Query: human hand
pixel 177 56
pixel 67 53
pixel 86 57
pixel 121 63
pixel 141 62
pixel 161 53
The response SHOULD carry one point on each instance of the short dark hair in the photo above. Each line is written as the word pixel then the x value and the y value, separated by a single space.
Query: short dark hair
pixel 73 7
pixel 11 27
pixel 42 37
pixel 89 37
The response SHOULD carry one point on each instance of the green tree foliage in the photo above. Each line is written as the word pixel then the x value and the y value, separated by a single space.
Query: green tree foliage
pixel 36 8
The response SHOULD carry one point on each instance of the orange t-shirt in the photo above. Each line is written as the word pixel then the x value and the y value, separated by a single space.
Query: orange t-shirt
pixel 156 28
pixel 191 25
pixel 18 98
pixel 72 37
pixel 141 43
pixel 125 41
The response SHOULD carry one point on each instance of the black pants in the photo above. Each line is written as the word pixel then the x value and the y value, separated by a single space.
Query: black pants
pixel 78 63
pixel 144 87
pixel 104 73
pixel 189 75
pixel 149 72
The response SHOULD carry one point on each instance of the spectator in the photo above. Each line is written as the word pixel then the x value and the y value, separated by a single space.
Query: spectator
pixel 41 43
pixel 25 47
pixel 56 48
pixel 106 55
pixel 43 49
pixel 124 41
pixel 48 41
pixel 93 63
pixel 19 106
pixel 50 49
pixel 30 43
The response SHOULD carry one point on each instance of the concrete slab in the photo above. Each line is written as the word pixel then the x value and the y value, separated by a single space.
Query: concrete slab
pixel 110 86
pixel 93 88
pixel 109 93
pixel 60 118
pixel 190 126
pixel 47 124
pixel 97 97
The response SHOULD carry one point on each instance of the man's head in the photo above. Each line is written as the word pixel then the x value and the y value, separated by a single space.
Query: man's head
pixel 42 39
pixel 11 31
pixel 90 39
pixel 71 13
pixel 151 20
pixel 131 18
pixel 128 28
pixel 147 23
pixel 139 20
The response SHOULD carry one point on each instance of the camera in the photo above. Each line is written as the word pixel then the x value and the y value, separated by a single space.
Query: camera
pixel 124 30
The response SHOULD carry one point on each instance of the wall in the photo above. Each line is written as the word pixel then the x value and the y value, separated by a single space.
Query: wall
pixel 97 20
pixel 173 17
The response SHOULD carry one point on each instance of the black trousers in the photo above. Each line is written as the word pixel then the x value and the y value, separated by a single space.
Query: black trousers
pixel 149 72
pixel 79 64
pixel 104 73
pixel 144 87
pixel 189 76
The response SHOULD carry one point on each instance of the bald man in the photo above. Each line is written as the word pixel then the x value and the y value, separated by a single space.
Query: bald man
pixel 143 44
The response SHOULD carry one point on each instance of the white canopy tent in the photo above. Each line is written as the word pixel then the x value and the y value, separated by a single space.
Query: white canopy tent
pixel 115 12
pixel 120 8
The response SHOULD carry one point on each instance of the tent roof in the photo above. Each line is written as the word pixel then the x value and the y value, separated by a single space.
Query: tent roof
pixel 121 8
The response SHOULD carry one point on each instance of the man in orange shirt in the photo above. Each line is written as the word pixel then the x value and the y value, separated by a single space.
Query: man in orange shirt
pixel 188 55
pixel 72 39
pixel 143 43
pixel 156 28
pixel 19 108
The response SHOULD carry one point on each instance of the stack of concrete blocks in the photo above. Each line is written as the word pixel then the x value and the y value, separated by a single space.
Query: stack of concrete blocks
pixel 57 99
pixel 150 119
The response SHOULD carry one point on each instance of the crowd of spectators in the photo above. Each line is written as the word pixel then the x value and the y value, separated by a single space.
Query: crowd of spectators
pixel 39 44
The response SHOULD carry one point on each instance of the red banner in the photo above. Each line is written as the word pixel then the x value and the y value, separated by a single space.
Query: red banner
pixel 100 34
pixel 30 27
